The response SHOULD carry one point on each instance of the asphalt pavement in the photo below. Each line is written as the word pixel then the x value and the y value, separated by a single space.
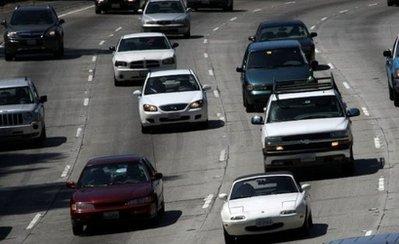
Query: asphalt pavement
pixel 87 116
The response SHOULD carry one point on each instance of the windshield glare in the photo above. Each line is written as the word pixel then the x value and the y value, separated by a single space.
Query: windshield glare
pixel 32 17
pixel 263 186
pixel 164 7
pixel 113 174
pixel 171 83
pixel 269 59
pixel 16 95
pixel 305 108
pixel 143 43
pixel 283 32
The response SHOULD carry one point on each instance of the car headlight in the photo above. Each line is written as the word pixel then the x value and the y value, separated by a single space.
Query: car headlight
pixel 141 200
pixel 120 64
pixel 79 206
pixel 12 34
pixel 396 75
pixel 27 117
pixel 168 61
pixel 151 22
pixel 197 104
pixel 150 108
pixel 238 217
pixel 250 87
pixel 340 134
pixel 51 33
pixel 288 212
pixel 272 140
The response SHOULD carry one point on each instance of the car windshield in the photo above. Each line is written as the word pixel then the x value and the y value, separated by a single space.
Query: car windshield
pixel 171 83
pixel 16 95
pixel 305 108
pixel 263 186
pixel 283 32
pixel 113 174
pixel 270 59
pixel 164 7
pixel 143 43
pixel 32 17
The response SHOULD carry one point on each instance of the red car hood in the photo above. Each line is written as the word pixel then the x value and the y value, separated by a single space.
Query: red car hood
pixel 112 193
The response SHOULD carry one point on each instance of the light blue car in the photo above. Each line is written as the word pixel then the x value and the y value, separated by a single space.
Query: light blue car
pixel 392 68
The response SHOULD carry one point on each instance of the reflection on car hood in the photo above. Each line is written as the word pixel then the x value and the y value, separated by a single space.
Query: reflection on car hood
pixel 266 76
pixel 29 28
pixel 306 126
pixel 172 98
pixel 112 193
pixel 17 108
pixel 166 16
pixel 144 54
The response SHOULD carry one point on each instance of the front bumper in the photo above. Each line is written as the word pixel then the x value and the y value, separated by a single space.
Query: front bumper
pixel 257 97
pixel 19 132
pixel 167 29
pixel 19 45
pixel 128 74
pixel 249 227
pixel 183 116
pixel 206 3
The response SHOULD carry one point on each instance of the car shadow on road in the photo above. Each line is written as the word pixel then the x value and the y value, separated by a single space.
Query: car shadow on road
pixel 24 145
pixel 319 229
pixel 4 232
pixel 179 37
pixel 186 127
pixel 322 67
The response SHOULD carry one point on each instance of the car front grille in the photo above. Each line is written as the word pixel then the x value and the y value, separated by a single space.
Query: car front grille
pixel 173 107
pixel 11 119
pixel 182 118
pixel 315 136
pixel 35 34
pixel 254 228
pixel 164 22
pixel 144 64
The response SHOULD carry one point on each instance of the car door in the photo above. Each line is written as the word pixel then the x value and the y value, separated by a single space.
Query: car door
pixel 389 62
pixel 156 184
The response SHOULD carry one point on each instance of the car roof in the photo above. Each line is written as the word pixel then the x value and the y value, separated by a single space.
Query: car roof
pixel 259 46
pixel 33 7
pixel 258 175
pixel 271 23
pixel 143 34
pixel 171 72
pixel 15 82
pixel 111 159
pixel 330 92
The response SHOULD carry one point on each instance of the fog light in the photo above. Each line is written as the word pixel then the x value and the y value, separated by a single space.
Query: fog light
pixel 279 148
pixel 334 144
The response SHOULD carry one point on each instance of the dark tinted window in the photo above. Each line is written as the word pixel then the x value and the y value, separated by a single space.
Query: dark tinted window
pixel 283 32
pixel 270 59
pixel 171 83
pixel 32 17
pixel 305 108
pixel 143 43
pixel 16 95
pixel 164 7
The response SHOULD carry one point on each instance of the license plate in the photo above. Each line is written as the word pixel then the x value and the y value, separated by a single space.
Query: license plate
pixel 111 215
pixel 308 158
pixel 115 5
pixel 173 116
pixel 31 42
pixel 264 222
pixel 205 1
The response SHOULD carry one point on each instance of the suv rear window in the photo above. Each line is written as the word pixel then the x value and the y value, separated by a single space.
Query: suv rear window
pixel 32 17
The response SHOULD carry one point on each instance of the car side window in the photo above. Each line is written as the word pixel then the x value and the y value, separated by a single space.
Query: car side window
pixel 35 93
pixel 149 165
pixel 394 48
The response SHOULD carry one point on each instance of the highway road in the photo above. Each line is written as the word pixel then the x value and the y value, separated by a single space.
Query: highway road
pixel 87 116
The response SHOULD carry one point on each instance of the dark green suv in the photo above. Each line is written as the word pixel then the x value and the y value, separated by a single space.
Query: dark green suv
pixel 266 62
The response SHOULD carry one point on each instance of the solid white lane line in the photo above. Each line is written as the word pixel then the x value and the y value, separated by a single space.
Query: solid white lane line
pixel 381 184
pixel 78 132
pixel 317 50
pixel 94 58
pixel 373 4
pixel 324 18
pixel 365 111
pixel 312 27
pixel 216 28
pixel 118 29
pixel 369 232
pixel 206 55
pixel 208 201
pixel 65 172
pixel 90 78
pixel 86 101
pixel 101 43
pixel 346 85
pixel 216 93
pixel 331 66
pixel 205 41
pixel 75 11
pixel 343 11
pixel 257 10
pixel 377 142
pixel 234 18
pixel 211 72
pixel 34 221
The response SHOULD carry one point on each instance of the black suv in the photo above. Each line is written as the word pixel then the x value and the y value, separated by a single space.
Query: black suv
pixel 33 29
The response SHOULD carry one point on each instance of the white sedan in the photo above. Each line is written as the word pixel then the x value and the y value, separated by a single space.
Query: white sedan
pixel 140 53
pixel 265 203
pixel 172 96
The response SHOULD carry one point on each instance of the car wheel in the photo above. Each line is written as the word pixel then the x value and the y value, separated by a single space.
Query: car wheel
pixel 349 165
pixel 228 239
pixel 249 108
pixel 8 56
pixel 203 124
pixel 98 10
pixel 228 6
pixel 43 136
pixel 307 225
pixel 390 2
pixel 161 211
pixel 77 228
pixel 391 92
pixel 187 34
pixel 145 130
pixel 395 99
pixel 60 51
pixel 116 82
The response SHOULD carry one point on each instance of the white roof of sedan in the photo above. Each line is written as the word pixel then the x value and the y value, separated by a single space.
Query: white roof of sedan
pixel 143 34
pixel 171 72
pixel 330 92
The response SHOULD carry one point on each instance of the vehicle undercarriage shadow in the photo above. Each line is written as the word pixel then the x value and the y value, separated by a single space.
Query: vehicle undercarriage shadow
pixel 4 232
pixel 178 37
pixel 322 67
pixel 186 127
pixel 24 145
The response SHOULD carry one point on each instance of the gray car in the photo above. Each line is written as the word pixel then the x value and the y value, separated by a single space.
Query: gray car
pixel 166 16
pixel 21 111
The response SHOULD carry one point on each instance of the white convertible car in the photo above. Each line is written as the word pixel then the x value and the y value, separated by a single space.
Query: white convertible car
pixel 172 96
pixel 265 203
pixel 138 54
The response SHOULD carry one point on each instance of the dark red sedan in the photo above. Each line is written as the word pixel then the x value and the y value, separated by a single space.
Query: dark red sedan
pixel 115 188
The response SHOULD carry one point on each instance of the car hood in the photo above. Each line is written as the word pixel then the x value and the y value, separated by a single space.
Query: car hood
pixel 17 108
pixel 112 193
pixel 306 126
pixel 29 28
pixel 264 204
pixel 266 76
pixel 164 16
pixel 145 54
pixel 172 98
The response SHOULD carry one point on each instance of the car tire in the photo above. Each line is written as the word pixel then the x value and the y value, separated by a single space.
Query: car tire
pixel 60 51
pixel 228 239
pixel 307 225
pixel 187 35
pixel 116 82
pixel 43 136
pixel 8 56
pixel 77 228
pixel 349 165
pixel 204 124
pixel 145 130
pixel 98 10
pixel 389 2
pixel 396 99
pixel 249 108
pixel 229 6
pixel 391 92
pixel 161 211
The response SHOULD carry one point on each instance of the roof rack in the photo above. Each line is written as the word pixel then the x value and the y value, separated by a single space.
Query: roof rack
pixel 305 85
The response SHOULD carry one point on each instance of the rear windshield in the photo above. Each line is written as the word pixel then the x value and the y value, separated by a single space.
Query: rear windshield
pixel 16 95
pixel 143 43
pixel 32 17
pixel 171 83
pixel 275 58
pixel 164 7
pixel 283 32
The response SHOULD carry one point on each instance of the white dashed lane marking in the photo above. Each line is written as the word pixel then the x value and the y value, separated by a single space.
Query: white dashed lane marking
pixel 343 11
pixel 208 201
pixel 65 172
pixel 369 232
pixel 78 132
pixel 234 18
pixel 381 184
pixel 346 85
pixel 372 4
pixel 118 29
pixel 90 78
pixel 223 155
pixel 216 28
pixel 94 58
pixel 324 18
pixel 86 101
pixel 257 10
pixel 206 55
pixel 365 111
pixel 312 27
pixel 291 2
pixel 377 142
pixel 101 43
pixel 111 35
pixel 34 221
pixel 216 93
pixel 210 72
pixel 205 41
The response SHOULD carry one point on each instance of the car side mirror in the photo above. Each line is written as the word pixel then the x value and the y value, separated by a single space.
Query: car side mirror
pixel 4 23
pixel 140 11
pixel 314 65
pixel 223 196
pixel 387 53
pixel 174 45
pixel 353 112
pixel 43 99
pixel 61 21
pixel 313 34
pixel 257 120
pixel 206 87
pixel 251 38
pixel 137 93
pixel 305 187
pixel 239 69
pixel 158 176
pixel 189 10
pixel 112 48
pixel 71 185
